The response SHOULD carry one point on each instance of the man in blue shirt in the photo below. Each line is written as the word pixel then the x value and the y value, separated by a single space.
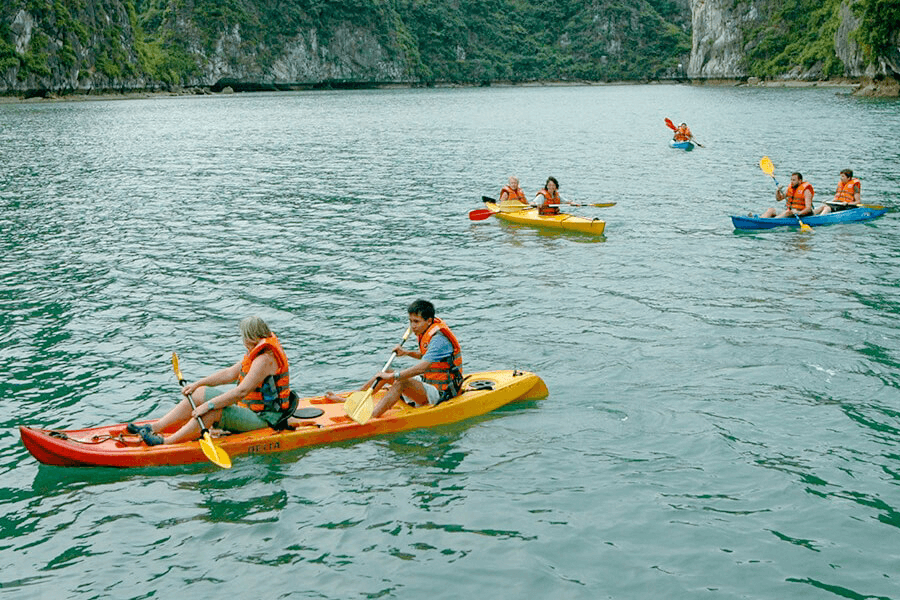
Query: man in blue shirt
pixel 438 374
pixel 435 378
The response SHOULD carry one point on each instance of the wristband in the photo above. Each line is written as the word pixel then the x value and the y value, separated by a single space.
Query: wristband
pixel 396 375
pixel 210 405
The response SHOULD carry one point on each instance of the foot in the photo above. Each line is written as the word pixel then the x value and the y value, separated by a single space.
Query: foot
pixel 332 397
pixel 138 429
pixel 152 439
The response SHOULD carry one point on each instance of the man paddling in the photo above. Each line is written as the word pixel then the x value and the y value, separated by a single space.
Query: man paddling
pixel 435 378
pixel 512 197
pixel 683 134
pixel 798 199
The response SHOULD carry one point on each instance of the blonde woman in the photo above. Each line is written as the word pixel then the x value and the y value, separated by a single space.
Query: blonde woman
pixel 260 399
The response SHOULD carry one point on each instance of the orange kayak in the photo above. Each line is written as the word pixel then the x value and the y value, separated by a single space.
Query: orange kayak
pixel 112 446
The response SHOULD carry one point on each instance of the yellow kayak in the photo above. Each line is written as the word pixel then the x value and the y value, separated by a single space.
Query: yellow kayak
pixel 530 216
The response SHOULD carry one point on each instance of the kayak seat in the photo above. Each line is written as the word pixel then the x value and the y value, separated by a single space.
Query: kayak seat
pixel 282 423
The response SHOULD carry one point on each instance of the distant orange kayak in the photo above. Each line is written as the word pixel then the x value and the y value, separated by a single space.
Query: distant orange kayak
pixel 112 446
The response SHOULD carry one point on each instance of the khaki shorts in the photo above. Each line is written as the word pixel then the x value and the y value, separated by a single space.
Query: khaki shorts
pixel 237 418
pixel 431 392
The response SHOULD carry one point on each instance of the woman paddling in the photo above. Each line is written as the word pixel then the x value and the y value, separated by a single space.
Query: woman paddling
pixel 549 198
pixel 261 398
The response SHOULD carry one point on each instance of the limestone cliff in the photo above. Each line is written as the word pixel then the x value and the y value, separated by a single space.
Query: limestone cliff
pixel 48 46
pixel 805 40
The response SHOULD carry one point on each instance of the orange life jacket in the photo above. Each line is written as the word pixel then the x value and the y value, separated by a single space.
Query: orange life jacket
pixel 548 199
pixel 443 374
pixel 682 134
pixel 796 197
pixel 846 192
pixel 254 400
pixel 514 194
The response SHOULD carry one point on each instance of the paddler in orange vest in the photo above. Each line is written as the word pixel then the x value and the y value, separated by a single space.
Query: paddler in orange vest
pixel 512 198
pixel 683 133
pixel 435 378
pixel 847 192
pixel 798 199
pixel 549 198
pixel 260 399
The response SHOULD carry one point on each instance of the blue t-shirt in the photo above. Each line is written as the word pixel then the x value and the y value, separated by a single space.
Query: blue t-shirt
pixel 439 349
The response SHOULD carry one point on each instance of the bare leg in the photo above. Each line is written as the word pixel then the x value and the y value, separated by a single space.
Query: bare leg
pixel 190 429
pixel 770 212
pixel 180 413
pixel 411 388
pixel 332 397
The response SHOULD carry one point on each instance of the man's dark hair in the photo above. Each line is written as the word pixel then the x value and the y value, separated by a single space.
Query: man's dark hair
pixel 848 173
pixel 423 308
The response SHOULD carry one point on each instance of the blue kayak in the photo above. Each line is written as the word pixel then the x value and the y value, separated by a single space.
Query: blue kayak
pixel 687 146
pixel 852 215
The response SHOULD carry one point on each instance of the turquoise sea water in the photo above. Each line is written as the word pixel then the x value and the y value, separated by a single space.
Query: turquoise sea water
pixel 723 418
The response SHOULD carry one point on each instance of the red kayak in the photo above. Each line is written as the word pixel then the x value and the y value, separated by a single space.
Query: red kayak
pixel 112 446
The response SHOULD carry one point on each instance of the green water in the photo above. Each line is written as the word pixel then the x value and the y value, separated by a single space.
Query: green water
pixel 723 418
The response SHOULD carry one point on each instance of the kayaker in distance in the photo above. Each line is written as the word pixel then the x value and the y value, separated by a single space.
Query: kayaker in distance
pixel 549 196
pixel 683 134
pixel 260 399
pixel 847 192
pixel 512 197
pixel 435 378
pixel 798 199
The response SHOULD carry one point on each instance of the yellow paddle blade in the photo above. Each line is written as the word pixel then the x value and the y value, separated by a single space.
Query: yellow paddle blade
pixel 175 367
pixel 359 406
pixel 804 226
pixel 765 163
pixel 214 453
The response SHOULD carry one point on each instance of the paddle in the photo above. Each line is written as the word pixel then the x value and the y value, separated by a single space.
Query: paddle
pixel 212 452
pixel 359 404
pixel 672 126
pixel 488 199
pixel 851 205
pixel 481 214
pixel 765 163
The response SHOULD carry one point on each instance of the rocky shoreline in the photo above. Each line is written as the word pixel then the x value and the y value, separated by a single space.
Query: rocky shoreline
pixel 883 87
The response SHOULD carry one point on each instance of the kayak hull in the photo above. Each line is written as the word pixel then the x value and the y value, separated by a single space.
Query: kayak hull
pixel 111 446
pixel 852 215
pixel 687 146
pixel 561 221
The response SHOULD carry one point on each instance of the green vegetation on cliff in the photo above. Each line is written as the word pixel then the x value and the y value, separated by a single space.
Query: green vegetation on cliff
pixel 796 33
pixel 879 32
pixel 170 42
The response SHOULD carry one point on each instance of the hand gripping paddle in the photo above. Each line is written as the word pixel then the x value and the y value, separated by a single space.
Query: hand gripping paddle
pixel 212 452
pixel 359 404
